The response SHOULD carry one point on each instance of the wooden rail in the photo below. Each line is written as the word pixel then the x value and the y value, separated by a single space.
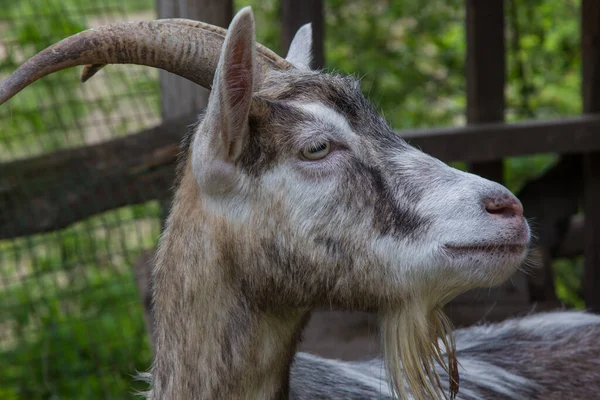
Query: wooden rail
pixel 494 141
pixel 51 191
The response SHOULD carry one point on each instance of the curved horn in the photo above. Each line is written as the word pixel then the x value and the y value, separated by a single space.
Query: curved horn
pixel 188 51
pixel 262 51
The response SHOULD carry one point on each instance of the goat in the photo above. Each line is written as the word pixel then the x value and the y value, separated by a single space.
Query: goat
pixel 294 193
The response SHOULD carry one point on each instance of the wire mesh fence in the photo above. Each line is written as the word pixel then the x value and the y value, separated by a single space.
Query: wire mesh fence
pixel 71 323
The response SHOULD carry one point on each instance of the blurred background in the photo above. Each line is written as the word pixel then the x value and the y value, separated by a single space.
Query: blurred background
pixel 505 89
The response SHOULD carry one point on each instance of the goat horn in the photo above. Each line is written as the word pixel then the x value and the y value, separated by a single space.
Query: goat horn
pixel 188 51
pixel 262 51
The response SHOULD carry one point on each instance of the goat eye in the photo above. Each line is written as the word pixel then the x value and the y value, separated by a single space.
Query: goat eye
pixel 316 151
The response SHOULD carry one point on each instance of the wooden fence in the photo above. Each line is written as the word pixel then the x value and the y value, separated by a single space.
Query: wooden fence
pixel 140 167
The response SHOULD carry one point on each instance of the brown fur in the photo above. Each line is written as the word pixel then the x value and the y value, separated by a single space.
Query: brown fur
pixel 212 341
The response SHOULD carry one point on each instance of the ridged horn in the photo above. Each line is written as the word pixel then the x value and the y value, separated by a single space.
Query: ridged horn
pixel 269 56
pixel 186 48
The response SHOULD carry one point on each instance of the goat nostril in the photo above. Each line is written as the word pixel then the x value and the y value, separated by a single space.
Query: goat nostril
pixel 498 210
pixel 504 206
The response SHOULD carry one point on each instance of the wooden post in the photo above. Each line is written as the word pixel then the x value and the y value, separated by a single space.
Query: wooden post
pixel 485 71
pixel 294 14
pixel 590 50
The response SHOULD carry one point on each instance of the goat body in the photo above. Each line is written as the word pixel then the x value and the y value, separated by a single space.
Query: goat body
pixel 543 356
pixel 295 194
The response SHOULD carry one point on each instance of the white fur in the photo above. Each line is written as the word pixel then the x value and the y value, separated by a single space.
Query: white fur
pixel 553 323
pixel 492 377
pixel 300 52
pixel 328 116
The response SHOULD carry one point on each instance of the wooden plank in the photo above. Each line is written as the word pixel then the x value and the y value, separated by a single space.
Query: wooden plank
pixel 573 243
pixel 294 14
pixel 55 190
pixel 485 69
pixel 341 335
pixel 463 315
pixel 485 72
pixel 355 336
pixel 590 50
pixel 488 142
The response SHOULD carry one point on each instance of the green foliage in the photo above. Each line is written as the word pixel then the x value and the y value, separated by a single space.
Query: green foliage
pixel 50 114
pixel 568 274
pixel 31 35
pixel 266 14
pixel 409 55
pixel 544 58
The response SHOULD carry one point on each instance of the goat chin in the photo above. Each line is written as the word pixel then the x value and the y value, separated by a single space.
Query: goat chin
pixel 414 339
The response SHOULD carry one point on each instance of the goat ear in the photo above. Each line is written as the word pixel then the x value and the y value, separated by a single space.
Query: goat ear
pixel 300 52
pixel 225 126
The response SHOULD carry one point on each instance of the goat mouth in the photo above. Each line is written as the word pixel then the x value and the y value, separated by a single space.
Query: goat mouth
pixel 488 249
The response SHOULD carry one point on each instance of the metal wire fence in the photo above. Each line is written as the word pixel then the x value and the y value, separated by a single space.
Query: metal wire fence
pixel 71 323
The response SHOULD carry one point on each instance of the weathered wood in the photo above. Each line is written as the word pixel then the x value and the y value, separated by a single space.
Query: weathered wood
pixel 485 142
pixel 294 14
pixel 485 72
pixel 52 191
pixel 591 275
pixel 590 50
pixel 341 335
pixel 540 279
pixel 472 313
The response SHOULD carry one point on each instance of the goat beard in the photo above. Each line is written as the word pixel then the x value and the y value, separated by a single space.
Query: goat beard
pixel 415 338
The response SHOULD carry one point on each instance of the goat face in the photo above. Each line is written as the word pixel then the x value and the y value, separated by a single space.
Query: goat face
pixel 323 204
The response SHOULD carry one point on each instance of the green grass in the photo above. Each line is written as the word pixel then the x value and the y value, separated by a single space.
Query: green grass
pixel 71 323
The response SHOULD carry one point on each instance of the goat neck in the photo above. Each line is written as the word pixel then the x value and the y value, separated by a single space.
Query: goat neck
pixel 211 341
